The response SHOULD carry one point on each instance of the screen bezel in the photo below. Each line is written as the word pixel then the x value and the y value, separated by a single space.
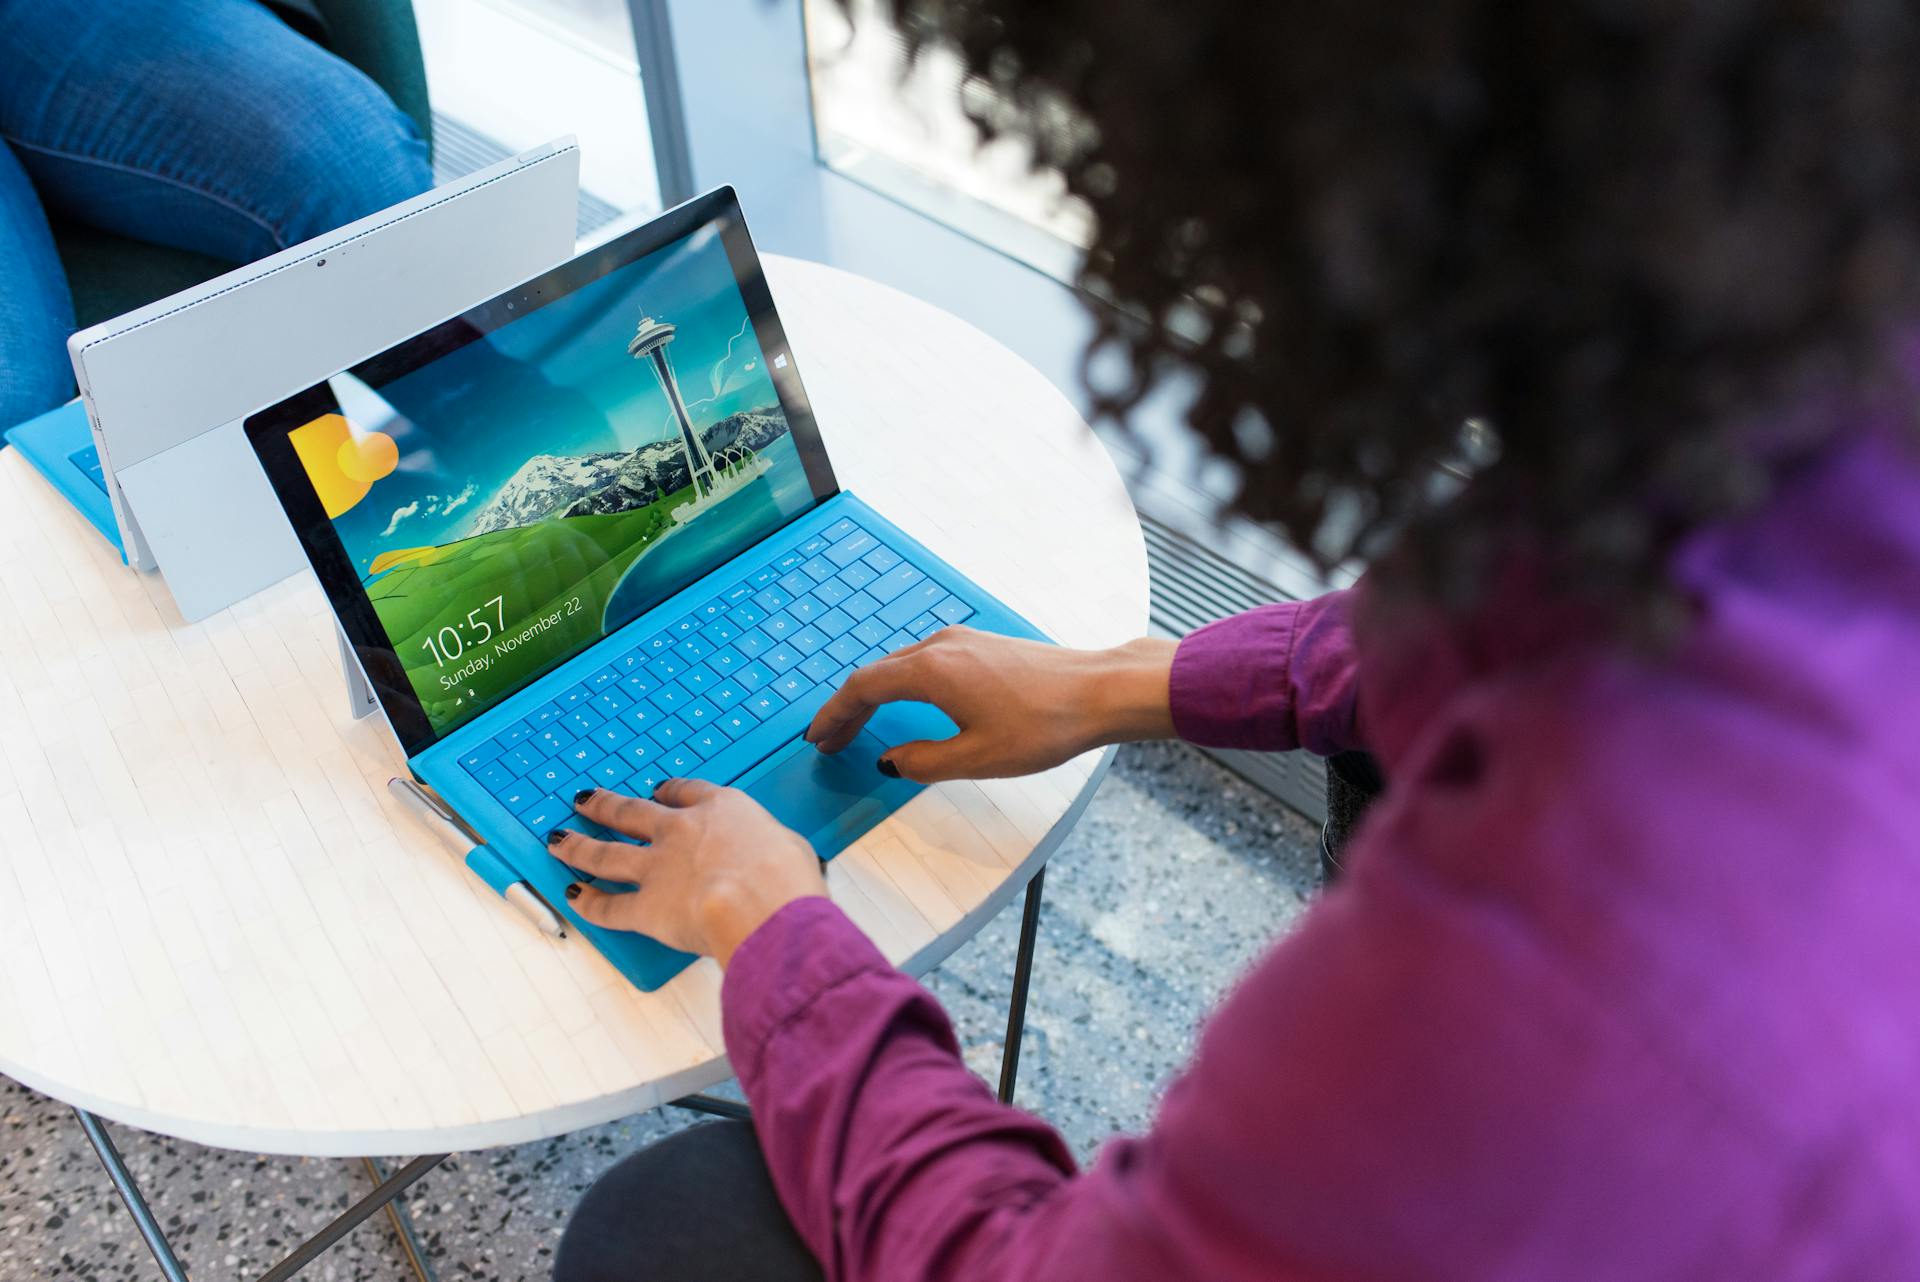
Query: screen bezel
pixel 270 430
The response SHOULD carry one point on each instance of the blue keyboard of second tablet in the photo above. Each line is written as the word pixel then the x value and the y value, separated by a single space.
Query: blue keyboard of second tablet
pixel 88 461
pixel 782 638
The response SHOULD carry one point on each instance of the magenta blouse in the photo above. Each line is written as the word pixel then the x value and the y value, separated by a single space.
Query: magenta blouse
pixel 1624 982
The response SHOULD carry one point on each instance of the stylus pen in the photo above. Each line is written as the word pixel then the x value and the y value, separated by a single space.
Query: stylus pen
pixel 437 817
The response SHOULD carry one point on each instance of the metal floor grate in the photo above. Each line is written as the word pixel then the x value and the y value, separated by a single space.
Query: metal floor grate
pixel 1191 585
pixel 459 149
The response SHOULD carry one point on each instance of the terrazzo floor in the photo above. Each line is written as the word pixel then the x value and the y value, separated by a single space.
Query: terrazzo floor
pixel 1176 877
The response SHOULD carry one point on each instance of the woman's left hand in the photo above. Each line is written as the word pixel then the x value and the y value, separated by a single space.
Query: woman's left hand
pixel 716 865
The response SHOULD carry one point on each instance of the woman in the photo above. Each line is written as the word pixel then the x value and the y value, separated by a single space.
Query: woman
pixel 1621 981
pixel 212 125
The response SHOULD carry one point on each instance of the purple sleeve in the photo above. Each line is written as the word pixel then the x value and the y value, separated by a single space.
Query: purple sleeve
pixel 1272 679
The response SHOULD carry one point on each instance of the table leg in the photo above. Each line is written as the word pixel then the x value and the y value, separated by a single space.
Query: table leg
pixel 386 1189
pixel 1022 974
pixel 402 1220
pixel 130 1194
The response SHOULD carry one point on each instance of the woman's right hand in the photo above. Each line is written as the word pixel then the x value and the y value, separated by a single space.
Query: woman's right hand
pixel 1022 706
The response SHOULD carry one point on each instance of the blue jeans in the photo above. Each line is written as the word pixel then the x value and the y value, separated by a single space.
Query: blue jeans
pixel 204 124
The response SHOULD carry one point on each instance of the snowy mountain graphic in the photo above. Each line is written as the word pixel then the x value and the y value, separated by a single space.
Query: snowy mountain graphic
pixel 549 485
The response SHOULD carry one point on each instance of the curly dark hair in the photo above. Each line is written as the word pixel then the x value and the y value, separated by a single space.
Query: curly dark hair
pixel 1613 240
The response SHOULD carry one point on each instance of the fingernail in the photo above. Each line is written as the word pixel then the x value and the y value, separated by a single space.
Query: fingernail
pixel 557 836
pixel 580 798
pixel 573 890
pixel 887 768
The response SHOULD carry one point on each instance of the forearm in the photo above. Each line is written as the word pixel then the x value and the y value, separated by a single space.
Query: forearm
pixel 1272 679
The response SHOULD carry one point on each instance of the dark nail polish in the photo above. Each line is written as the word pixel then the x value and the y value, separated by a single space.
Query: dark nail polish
pixel 557 836
pixel 579 798
pixel 888 769
pixel 573 890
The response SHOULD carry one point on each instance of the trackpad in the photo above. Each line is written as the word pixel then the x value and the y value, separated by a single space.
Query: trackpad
pixel 829 800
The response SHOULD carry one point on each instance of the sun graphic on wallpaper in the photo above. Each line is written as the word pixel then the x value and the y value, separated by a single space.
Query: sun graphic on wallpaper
pixel 342 460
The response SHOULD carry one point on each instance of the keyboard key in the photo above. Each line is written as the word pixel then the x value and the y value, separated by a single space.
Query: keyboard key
pixel 819 667
pixel 542 716
pixel 546 814
pixel 670 698
pixel 668 732
pixel 580 756
pixel 911 603
pixel 630 662
pixel 860 605
pixel 880 560
pixel 846 649
pixel 925 626
pixel 869 632
pixel 610 771
pixel 834 622
pixel 737 593
pixel 753 644
pixel 514 734
pixel 699 713
pixel 719 633
pixel 787 562
pixel 554 740
pixel 780 658
pixel 658 643
pixel 806 609
pixel 522 759
pixel 571 699
pixel 613 735
pixel 642 717
pixel 496 776
pixel 728 660
pixel 602 679
pixel 839 678
pixel 794 583
pixel 900 640
pixel 752 677
pixel 610 701
pixel 762 705
pixel 808 640
pixel 640 752
pixel 790 686
pixel 680 761
pixel 814 546
pixel 820 569
pixel 582 719
pixel 726 694
pixel 640 684
pixel 708 742
pixel 772 599
pixel 713 609
pixel 953 610
pixel 696 680
pixel 852 548
pixel 686 627
pixel 480 756
pixel 747 616
pixel 736 723
pixel 644 782
pixel 579 783
pixel 857 576
pixel 761 578
pixel 693 649
pixel 832 593
pixel 839 530
pixel 518 795
pixel 893 583
pixel 666 667
pixel 549 777
pixel 780 626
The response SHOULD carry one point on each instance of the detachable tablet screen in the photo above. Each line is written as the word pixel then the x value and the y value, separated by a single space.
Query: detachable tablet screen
pixel 508 489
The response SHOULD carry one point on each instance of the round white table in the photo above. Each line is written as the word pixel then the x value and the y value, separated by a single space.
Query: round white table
pixel 215 923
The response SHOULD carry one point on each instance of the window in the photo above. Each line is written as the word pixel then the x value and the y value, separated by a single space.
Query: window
pixel 508 74
pixel 901 132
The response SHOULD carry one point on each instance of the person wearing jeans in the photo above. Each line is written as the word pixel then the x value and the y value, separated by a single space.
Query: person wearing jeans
pixel 1594 325
pixel 209 125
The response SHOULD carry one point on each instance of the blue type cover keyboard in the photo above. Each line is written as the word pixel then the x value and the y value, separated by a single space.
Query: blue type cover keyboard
pixel 87 460
pixel 773 645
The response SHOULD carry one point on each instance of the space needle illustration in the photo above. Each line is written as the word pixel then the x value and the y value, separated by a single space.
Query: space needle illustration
pixel 713 477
